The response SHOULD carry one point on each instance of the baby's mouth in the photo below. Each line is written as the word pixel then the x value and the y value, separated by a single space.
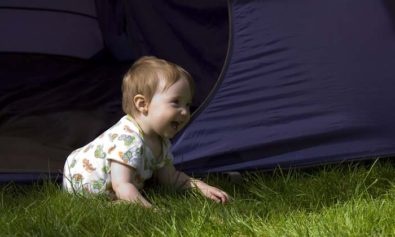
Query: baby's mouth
pixel 175 125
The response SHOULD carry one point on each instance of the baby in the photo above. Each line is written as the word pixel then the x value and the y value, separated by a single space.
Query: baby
pixel 156 95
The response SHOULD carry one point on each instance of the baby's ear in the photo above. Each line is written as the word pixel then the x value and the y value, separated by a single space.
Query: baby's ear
pixel 140 103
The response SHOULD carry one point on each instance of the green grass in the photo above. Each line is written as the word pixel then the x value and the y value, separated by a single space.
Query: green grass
pixel 334 200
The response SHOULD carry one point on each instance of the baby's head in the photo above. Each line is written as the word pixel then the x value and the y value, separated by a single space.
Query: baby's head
pixel 144 78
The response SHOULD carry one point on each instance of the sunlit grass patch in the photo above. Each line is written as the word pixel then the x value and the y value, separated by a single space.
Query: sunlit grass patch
pixel 340 200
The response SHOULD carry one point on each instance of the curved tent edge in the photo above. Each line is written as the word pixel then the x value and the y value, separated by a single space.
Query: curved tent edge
pixel 221 76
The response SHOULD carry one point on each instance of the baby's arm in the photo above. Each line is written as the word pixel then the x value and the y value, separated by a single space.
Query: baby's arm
pixel 121 181
pixel 169 175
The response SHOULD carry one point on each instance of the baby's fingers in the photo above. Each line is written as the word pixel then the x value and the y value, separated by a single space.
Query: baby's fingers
pixel 219 196
pixel 224 197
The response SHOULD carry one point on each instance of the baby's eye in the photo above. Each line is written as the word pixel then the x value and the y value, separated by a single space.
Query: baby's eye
pixel 175 102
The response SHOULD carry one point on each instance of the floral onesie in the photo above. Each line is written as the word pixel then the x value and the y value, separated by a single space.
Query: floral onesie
pixel 87 169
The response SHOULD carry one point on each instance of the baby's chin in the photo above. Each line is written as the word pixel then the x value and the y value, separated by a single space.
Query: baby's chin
pixel 170 135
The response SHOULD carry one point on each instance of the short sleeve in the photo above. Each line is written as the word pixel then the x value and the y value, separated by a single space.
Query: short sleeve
pixel 128 149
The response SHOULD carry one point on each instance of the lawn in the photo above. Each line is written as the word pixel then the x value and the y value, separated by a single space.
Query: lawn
pixel 334 200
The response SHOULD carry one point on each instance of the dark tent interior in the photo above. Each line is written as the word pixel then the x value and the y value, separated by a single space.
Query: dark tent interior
pixel 53 98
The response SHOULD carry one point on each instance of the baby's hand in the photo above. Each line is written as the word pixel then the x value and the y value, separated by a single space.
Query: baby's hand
pixel 211 192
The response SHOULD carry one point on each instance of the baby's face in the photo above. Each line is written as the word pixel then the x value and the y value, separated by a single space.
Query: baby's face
pixel 168 111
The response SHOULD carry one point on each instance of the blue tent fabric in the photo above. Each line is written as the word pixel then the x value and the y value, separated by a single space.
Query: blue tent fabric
pixel 306 83
pixel 58 27
pixel 303 83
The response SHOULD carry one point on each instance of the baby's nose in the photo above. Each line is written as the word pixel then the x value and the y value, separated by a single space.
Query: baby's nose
pixel 184 111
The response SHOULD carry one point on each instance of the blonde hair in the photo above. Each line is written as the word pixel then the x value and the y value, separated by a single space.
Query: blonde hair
pixel 144 76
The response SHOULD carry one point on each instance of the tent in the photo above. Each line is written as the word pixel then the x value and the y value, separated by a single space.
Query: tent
pixel 279 83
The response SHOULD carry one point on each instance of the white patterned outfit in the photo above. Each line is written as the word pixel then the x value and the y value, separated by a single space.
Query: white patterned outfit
pixel 87 169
